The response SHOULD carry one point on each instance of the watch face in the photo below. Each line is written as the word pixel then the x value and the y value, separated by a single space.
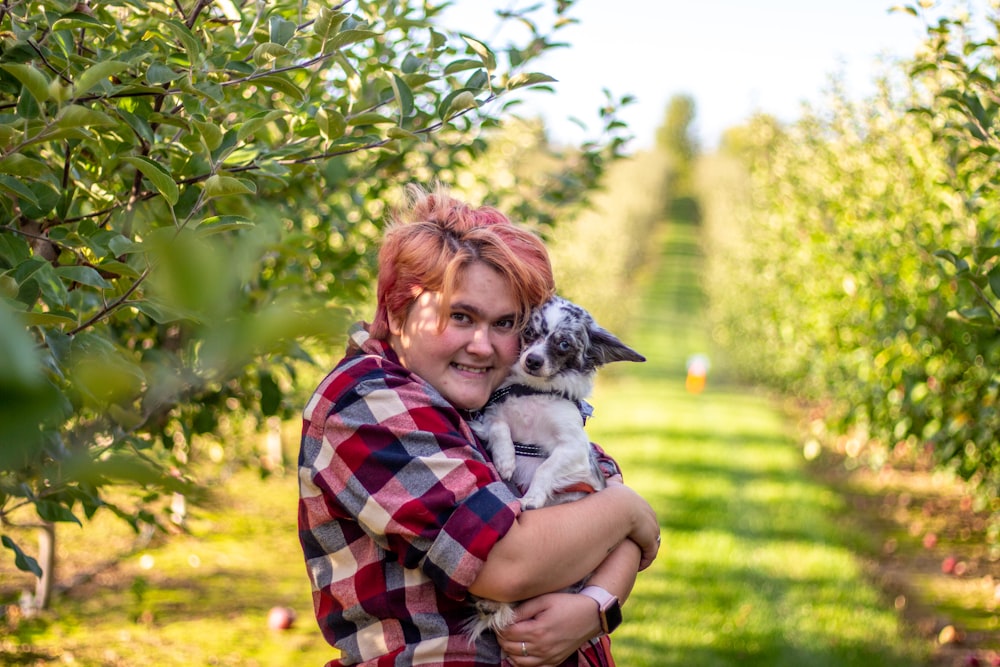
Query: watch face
pixel 613 614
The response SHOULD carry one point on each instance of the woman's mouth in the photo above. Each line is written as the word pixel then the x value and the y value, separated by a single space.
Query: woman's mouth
pixel 475 370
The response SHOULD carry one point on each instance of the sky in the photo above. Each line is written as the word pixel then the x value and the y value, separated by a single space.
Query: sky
pixel 733 57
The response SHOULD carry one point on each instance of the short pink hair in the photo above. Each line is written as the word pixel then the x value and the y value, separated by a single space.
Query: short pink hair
pixel 434 238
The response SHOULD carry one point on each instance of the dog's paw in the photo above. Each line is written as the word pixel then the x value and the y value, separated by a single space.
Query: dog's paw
pixel 505 465
pixel 532 500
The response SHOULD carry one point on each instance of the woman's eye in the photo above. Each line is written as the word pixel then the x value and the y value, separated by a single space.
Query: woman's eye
pixel 507 325
pixel 461 318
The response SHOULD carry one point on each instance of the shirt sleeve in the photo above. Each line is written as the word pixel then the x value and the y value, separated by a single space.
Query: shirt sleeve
pixel 609 467
pixel 401 461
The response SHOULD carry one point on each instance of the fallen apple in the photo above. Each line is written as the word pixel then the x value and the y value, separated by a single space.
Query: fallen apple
pixel 280 618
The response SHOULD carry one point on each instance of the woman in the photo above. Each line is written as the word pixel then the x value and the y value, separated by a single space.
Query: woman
pixel 402 516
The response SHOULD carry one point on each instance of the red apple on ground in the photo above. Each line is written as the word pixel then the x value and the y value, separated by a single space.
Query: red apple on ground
pixel 280 618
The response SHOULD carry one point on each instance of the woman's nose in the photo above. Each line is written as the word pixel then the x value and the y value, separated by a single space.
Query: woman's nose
pixel 481 343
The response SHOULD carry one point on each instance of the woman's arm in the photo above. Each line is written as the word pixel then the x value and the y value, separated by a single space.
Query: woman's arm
pixel 553 547
pixel 554 626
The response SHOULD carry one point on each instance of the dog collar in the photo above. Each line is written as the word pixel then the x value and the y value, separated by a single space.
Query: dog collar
pixel 513 390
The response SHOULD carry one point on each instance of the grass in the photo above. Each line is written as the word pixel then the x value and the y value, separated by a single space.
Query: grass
pixel 197 599
pixel 760 563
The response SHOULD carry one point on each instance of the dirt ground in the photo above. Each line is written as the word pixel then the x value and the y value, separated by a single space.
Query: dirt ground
pixel 935 555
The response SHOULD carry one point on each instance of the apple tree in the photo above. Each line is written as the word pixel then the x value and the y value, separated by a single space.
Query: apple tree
pixel 191 189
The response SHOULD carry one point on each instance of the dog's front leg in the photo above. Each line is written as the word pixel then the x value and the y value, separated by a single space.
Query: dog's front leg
pixel 567 464
pixel 501 446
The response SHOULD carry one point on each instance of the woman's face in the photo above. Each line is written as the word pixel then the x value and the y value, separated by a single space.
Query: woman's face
pixel 473 354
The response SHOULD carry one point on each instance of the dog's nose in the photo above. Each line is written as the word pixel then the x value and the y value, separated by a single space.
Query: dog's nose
pixel 533 362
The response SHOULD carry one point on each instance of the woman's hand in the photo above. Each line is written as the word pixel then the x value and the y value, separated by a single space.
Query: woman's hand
pixel 646 532
pixel 550 628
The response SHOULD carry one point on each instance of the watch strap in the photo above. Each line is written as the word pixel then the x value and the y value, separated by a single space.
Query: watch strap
pixel 608 607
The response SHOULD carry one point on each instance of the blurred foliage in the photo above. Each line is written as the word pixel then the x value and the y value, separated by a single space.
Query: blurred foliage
pixel 599 250
pixel 190 194
pixel 603 255
pixel 854 257
pixel 675 138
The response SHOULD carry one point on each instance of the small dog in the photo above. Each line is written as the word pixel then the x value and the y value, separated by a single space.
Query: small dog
pixel 533 424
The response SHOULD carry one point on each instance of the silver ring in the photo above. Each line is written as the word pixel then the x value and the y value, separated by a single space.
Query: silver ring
pixel 657 539
pixel 524 650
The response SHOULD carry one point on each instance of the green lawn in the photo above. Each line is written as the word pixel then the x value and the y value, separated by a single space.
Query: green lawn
pixel 758 565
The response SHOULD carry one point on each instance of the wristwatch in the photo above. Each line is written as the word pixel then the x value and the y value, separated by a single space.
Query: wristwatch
pixel 607 604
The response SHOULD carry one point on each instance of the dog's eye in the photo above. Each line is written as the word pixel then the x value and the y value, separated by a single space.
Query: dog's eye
pixel 563 346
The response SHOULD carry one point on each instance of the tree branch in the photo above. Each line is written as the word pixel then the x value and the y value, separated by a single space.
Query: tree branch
pixel 111 307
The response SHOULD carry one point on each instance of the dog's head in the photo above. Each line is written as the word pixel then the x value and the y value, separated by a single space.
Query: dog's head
pixel 562 337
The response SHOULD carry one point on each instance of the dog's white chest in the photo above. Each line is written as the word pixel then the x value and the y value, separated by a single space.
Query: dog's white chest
pixel 544 421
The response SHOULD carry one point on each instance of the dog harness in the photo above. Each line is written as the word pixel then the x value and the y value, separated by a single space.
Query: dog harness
pixel 513 390
pixel 536 451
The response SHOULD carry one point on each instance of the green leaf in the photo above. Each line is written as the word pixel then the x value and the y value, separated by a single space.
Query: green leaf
pixel 982 254
pixel 268 52
pixel 483 51
pixel 252 125
pixel 400 133
pixel 80 21
pixel 994 276
pixel 978 315
pixel 47 197
pixel 34 319
pixel 118 268
pixel 411 64
pixel 163 313
pixel 158 74
pixel 404 96
pixel 186 37
pixel 22 561
pixel 462 65
pixel 122 245
pixel 458 102
pixel 528 79
pixel 31 78
pixel 218 185
pixel 95 74
pixel 157 175
pixel 138 124
pixel 17 188
pixel 331 124
pixel 84 275
pixel 270 394
pixel 327 24
pixel 281 83
pixel 281 30
pixel 77 116
pixel 7 134
pixel 223 223
pixel 955 260
pixel 52 511
pixel 20 165
pixel 347 37
pixel 210 133
pixel 52 287
pixel 369 118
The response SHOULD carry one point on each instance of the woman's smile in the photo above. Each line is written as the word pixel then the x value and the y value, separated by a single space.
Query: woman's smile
pixel 469 358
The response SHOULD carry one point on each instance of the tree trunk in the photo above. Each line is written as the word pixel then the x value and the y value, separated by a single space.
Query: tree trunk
pixel 47 561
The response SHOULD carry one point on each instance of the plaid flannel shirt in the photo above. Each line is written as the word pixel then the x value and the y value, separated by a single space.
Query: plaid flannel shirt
pixel 399 507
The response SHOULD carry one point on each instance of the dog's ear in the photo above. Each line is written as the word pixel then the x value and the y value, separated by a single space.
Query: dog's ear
pixel 605 348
